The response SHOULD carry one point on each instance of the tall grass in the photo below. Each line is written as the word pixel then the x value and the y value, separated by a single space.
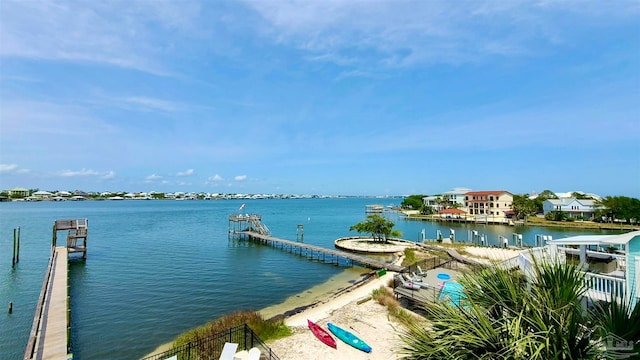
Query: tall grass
pixel 265 329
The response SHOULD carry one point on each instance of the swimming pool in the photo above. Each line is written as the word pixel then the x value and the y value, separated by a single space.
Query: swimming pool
pixel 453 293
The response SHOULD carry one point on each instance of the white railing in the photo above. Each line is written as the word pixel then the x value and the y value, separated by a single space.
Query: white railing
pixel 602 287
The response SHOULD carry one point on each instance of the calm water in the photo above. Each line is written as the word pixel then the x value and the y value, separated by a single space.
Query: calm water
pixel 158 268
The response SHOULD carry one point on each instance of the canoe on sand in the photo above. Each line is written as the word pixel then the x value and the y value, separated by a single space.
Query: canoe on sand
pixel 322 334
pixel 349 338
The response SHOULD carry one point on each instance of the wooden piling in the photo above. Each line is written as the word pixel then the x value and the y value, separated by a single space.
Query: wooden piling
pixel 18 249
pixel 13 257
pixel 11 307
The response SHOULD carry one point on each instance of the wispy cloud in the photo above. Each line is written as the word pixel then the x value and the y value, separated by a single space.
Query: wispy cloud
pixel 150 104
pixel 397 34
pixel 7 168
pixel 153 177
pixel 110 33
pixel 78 173
pixel 109 175
pixel 240 178
pixel 185 173
pixel 216 178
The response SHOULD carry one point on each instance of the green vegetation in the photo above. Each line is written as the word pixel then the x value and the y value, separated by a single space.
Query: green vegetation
pixel 384 296
pixel 265 329
pixel 413 202
pixel 620 208
pixel 379 228
pixel 409 256
pixel 507 316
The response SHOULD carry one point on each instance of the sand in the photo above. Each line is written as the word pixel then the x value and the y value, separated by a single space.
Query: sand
pixel 489 255
pixel 368 320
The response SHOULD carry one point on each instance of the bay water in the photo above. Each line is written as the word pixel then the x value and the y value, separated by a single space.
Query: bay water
pixel 155 268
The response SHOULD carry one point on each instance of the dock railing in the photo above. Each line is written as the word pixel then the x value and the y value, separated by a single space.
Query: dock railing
pixel 210 347
pixel 30 350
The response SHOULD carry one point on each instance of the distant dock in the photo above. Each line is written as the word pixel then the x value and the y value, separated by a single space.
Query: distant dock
pixel 250 227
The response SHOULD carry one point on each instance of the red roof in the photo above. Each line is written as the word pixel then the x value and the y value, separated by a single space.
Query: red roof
pixel 452 211
pixel 490 192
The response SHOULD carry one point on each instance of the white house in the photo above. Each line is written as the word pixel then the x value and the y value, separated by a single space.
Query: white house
pixel 455 196
pixel 575 208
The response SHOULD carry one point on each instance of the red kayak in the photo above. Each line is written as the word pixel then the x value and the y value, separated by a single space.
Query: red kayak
pixel 322 334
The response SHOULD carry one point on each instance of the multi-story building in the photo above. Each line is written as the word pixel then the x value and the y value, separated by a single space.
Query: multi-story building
pixel 447 199
pixel 490 203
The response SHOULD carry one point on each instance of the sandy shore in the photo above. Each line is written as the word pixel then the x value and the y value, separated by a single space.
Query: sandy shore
pixel 489 255
pixel 368 320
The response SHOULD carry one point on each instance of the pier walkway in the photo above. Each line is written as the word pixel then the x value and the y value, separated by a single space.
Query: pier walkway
pixel 49 338
pixel 318 252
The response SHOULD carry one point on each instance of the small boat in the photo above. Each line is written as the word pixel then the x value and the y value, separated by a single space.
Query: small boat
pixel 349 338
pixel 322 334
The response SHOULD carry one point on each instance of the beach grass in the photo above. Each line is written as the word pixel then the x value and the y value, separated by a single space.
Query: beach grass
pixel 266 329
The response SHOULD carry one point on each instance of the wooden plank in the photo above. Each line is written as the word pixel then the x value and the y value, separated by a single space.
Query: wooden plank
pixel 52 340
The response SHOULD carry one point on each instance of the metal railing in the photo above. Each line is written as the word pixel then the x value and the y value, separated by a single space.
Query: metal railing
pixel 210 347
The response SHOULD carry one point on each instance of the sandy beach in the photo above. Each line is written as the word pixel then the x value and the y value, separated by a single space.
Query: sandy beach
pixel 366 319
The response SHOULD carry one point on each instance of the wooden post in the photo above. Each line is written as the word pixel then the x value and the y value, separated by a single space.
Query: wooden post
pixel 11 307
pixel 13 257
pixel 18 250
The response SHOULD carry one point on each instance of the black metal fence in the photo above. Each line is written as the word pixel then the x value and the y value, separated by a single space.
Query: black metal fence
pixel 210 348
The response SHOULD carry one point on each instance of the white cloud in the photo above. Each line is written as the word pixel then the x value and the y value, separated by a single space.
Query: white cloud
pixel 216 178
pixel 110 33
pixel 8 168
pixel 185 173
pixel 153 177
pixel 74 173
pixel 240 178
pixel 394 34
pixel 109 175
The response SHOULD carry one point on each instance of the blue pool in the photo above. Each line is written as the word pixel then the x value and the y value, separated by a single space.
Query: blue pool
pixel 452 292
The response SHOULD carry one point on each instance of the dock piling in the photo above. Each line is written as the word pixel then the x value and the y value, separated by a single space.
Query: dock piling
pixel 11 307
pixel 16 247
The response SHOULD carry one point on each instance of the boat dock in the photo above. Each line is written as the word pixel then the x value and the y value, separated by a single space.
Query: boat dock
pixel 319 253
pixel 50 336
pixel 250 227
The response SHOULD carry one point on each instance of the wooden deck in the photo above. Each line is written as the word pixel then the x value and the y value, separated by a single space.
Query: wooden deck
pixel 49 334
pixel 318 252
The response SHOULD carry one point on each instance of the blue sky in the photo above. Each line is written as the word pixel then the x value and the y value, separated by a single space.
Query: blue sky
pixel 320 97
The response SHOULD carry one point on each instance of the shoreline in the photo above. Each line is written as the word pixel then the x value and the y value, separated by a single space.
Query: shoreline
pixel 344 298
pixel 344 282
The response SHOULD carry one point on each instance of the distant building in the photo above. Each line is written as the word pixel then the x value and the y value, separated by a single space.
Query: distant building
pixel 18 191
pixel 42 195
pixel 454 196
pixel 574 208
pixel 492 203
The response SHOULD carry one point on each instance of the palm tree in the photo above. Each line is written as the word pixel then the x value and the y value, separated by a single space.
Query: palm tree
pixel 510 316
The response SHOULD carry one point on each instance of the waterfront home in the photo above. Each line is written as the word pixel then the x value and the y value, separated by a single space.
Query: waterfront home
pixel 611 262
pixel 574 208
pixel 42 195
pixel 18 192
pixel 494 203
pixel 455 197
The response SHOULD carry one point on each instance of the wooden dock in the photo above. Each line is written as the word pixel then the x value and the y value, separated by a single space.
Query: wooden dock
pixel 317 252
pixel 49 338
